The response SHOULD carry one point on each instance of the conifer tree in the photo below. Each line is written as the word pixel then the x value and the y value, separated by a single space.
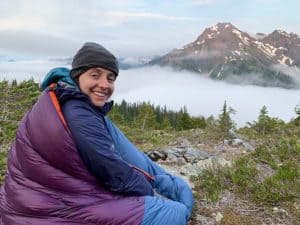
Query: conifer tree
pixel 184 120
pixel 146 117
pixel 225 124
pixel 263 121
pixel 297 110
pixel 265 124
pixel 165 124
pixel 116 116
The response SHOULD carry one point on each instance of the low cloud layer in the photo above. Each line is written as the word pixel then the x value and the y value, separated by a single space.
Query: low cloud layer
pixel 161 86
pixel 203 96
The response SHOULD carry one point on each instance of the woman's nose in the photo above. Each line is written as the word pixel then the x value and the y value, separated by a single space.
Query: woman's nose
pixel 103 82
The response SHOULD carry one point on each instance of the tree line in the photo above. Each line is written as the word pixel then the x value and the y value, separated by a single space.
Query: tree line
pixel 148 116
pixel 17 98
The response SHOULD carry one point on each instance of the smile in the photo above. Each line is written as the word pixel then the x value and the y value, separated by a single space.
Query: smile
pixel 100 94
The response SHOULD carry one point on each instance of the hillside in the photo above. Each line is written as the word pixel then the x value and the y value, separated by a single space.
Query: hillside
pixel 223 52
pixel 247 176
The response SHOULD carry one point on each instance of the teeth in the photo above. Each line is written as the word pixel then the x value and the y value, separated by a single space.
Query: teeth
pixel 100 94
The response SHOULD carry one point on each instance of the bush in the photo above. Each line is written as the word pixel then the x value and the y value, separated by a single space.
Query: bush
pixel 3 159
pixel 243 177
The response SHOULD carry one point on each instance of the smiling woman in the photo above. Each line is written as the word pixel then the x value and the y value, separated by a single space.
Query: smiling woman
pixel 70 164
pixel 98 84
pixel 95 69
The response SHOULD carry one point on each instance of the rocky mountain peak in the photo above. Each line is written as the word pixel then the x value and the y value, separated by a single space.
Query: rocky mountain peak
pixel 279 35
pixel 223 36
pixel 287 45
pixel 260 35
pixel 224 52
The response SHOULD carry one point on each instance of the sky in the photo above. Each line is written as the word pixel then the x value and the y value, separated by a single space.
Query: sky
pixel 34 31
pixel 129 28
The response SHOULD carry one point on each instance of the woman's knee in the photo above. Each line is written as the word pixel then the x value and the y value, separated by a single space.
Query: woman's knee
pixel 165 212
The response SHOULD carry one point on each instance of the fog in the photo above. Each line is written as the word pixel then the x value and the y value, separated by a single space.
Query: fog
pixel 203 96
pixel 162 86
pixel 26 69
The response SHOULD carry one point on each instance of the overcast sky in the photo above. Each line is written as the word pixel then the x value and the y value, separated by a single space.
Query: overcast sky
pixel 56 28
pixel 32 31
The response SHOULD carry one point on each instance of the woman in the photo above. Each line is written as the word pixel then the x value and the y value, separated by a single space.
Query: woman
pixel 69 163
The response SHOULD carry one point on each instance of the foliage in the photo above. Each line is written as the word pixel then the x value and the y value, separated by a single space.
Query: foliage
pixel 225 123
pixel 266 124
pixel 149 117
pixel 15 100
pixel 244 176
pixel 222 127
pixel 265 127
pixel 212 180
pixel 270 175
pixel 297 110
pixel 3 159
pixel 232 218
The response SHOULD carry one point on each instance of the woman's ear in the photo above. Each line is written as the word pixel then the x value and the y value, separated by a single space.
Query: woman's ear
pixel 77 81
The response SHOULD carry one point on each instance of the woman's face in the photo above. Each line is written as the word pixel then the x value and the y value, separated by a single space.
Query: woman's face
pixel 98 84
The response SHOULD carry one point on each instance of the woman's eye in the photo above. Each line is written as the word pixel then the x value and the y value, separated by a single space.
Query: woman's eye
pixel 111 78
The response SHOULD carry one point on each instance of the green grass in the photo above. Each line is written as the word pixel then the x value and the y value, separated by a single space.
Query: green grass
pixel 244 176
pixel 3 159
pixel 211 182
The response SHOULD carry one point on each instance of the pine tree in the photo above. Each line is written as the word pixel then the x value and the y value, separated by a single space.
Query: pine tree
pixel 265 124
pixel 165 124
pixel 198 122
pixel 297 110
pixel 184 120
pixel 146 117
pixel 262 125
pixel 225 124
pixel 116 116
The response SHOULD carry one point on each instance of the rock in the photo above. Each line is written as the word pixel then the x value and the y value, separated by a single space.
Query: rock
pixel 219 216
pixel 193 155
pixel 185 161
pixel 178 155
pixel 180 142
pixel 202 219
pixel 235 142
pixel 212 161
pixel 157 155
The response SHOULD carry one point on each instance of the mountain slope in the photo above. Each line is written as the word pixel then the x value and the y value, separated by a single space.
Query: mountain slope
pixel 224 52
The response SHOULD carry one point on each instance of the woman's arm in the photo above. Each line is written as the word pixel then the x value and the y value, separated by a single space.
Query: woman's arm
pixel 96 149
pixel 170 186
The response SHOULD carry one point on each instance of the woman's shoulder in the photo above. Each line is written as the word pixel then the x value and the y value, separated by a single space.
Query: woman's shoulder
pixel 73 98
pixel 65 94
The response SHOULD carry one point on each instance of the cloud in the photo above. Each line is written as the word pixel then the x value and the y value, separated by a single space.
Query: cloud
pixel 38 44
pixel 164 86
pixel 202 96
pixel 123 16
pixel 293 71
pixel 26 69
pixel 203 2
pixel 58 27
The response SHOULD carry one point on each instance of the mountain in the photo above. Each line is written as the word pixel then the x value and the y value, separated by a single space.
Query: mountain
pixel 224 52
pixel 131 62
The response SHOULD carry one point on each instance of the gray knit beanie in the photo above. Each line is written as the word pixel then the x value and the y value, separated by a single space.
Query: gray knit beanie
pixel 92 55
